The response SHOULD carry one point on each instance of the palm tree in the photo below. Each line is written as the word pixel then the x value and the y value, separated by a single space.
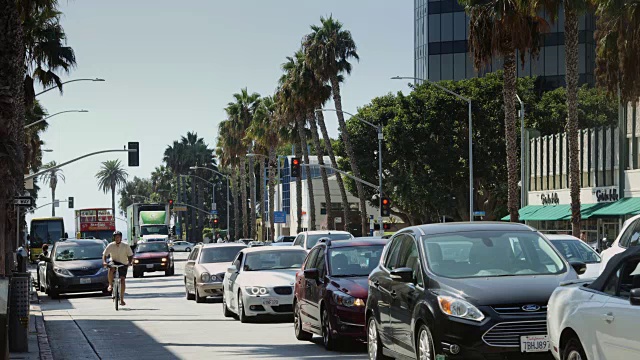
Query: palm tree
pixel 268 132
pixel 111 176
pixel 499 28
pixel 293 94
pixel 227 149
pixel 240 113
pixel 328 49
pixel 51 178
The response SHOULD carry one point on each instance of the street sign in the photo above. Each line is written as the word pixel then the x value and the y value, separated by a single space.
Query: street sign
pixel 23 201
pixel 279 217
pixel 337 220
pixel 479 213
pixel 178 208
pixel 214 212
pixel 28 184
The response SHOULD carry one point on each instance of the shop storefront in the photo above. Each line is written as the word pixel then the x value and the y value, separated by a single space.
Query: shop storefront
pixel 608 195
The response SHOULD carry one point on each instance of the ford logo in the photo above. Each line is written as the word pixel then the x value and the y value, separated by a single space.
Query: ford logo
pixel 531 307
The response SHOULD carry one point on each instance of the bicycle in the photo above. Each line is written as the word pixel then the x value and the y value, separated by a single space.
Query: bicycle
pixel 115 287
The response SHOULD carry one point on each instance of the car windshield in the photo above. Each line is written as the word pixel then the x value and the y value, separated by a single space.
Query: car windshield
pixel 491 253
pixel 354 261
pixel 79 252
pixel 152 247
pixel 313 239
pixel 154 230
pixel 219 254
pixel 576 250
pixel 273 260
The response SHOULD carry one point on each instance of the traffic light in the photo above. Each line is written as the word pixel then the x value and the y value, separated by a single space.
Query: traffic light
pixel 170 203
pixel 386 207
pixel 295 167
pixel 386 226
pixel 134 156
pixel 215 222
pixel 70 202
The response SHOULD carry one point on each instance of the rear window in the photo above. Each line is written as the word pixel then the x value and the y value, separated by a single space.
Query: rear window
pixel 312 240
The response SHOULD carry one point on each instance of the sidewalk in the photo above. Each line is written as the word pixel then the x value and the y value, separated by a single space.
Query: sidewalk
pixel 38 341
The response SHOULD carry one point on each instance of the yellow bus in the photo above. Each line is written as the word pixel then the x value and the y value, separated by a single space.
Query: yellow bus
pixel 44 231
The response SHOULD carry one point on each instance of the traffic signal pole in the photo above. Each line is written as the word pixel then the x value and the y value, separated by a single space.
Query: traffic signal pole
pixel 31 176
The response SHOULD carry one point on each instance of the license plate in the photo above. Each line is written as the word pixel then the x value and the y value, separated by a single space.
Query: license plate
pixel 85 280
pixel 535 343
pixel 270 302
pixel 149 266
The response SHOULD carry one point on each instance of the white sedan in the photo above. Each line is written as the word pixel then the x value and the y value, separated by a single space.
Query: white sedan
pixel 598 320
pixel 181 246
pixel 574 249
pixel 260 282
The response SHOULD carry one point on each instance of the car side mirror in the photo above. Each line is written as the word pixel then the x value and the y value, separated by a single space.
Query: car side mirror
pixel 404 274
pixel 634 297
pixel 232 269
pixel 579 267
pixel 171 249
pixel 311 274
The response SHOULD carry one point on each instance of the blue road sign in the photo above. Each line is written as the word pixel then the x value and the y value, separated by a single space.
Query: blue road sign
pixel 279 217
pixel 214 212
pixel 479 213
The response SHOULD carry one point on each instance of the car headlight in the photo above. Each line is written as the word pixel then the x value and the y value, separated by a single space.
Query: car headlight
pixel 164 259
pixel 135 261
pixel 62 271
pixel 205 277
pixel 343 299
pixel 257 290
pixel 459 308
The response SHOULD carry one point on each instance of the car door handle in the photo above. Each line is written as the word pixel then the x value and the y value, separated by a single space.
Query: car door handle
pixel 376 284
pixel 393 293
pixel 608 318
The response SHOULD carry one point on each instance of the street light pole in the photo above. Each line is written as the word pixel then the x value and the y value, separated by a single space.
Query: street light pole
pixel 227 177
pixel 50 116
pixel 471 190
pixel 380 138
pixel 522 172
pixel 69 81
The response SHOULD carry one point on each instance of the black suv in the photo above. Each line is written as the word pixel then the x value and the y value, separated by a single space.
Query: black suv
pixel 465 291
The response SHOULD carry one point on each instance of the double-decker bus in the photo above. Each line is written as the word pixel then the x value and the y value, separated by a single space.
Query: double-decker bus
pixel 98 223
pixel 44 231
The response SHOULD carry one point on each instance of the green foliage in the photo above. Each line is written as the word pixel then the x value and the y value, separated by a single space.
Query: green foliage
pixel 595 108
pixel 425 150
pixel 137 186
pixel 207 232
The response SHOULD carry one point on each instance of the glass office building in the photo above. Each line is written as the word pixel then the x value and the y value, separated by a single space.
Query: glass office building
pixel 441 47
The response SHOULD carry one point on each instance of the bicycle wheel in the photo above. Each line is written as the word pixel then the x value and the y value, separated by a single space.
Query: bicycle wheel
pixel 116 298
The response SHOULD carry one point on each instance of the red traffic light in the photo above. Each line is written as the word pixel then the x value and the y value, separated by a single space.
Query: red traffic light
pixel 171 202
pixel 385 201
pixel 296 162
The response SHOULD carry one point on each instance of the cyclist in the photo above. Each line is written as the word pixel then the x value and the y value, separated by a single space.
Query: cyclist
pixel 121 254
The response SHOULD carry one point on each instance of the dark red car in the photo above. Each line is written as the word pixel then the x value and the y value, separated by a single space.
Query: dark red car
pixel 153 256
pixel 331 289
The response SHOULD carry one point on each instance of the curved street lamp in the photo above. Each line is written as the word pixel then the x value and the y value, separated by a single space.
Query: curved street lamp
pixel 50 116
pixel 69 81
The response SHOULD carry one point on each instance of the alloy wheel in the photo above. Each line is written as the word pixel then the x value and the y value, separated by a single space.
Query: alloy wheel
pixel 326 331
pixel 425 347
pixel 372 339
pixel 296 320
pixel 574 355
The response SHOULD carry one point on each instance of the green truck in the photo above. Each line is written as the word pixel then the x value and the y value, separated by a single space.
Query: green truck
pixel 148 221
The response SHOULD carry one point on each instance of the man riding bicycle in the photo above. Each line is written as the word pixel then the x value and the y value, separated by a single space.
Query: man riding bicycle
pixel 121 254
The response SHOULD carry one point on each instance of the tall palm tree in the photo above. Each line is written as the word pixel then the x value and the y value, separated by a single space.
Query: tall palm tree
pixel 499 28
pixel 572 9
pixel 51 178
pixel 227 149
pixel 240 112
pixel 268 131
pixel 293 92
pixel 111 176
pixel 329 48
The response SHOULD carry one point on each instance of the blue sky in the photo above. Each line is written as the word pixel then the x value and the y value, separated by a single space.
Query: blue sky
pixel 172 66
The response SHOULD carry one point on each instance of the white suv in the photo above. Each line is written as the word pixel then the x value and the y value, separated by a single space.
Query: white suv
pixel 308 239
pixel 629 236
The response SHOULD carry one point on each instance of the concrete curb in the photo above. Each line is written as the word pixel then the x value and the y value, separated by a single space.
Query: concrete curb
pixel 43 339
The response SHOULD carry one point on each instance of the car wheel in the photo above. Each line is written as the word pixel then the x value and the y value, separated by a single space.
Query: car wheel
pixel 574 350
pixel 327 337
pixel 241 315
pixel 186 289
pixel 297 323
pixel 425 349
pixel 187 250
pixel 53 293
pixel 374 345
pixel 225 310
pixel 198 298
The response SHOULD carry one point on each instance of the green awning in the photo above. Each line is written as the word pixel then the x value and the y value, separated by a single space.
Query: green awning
pixel 556 212
pixel 626 206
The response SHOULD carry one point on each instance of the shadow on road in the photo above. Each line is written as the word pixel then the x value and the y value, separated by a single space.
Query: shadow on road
pixel 308 350
pixel 150 295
